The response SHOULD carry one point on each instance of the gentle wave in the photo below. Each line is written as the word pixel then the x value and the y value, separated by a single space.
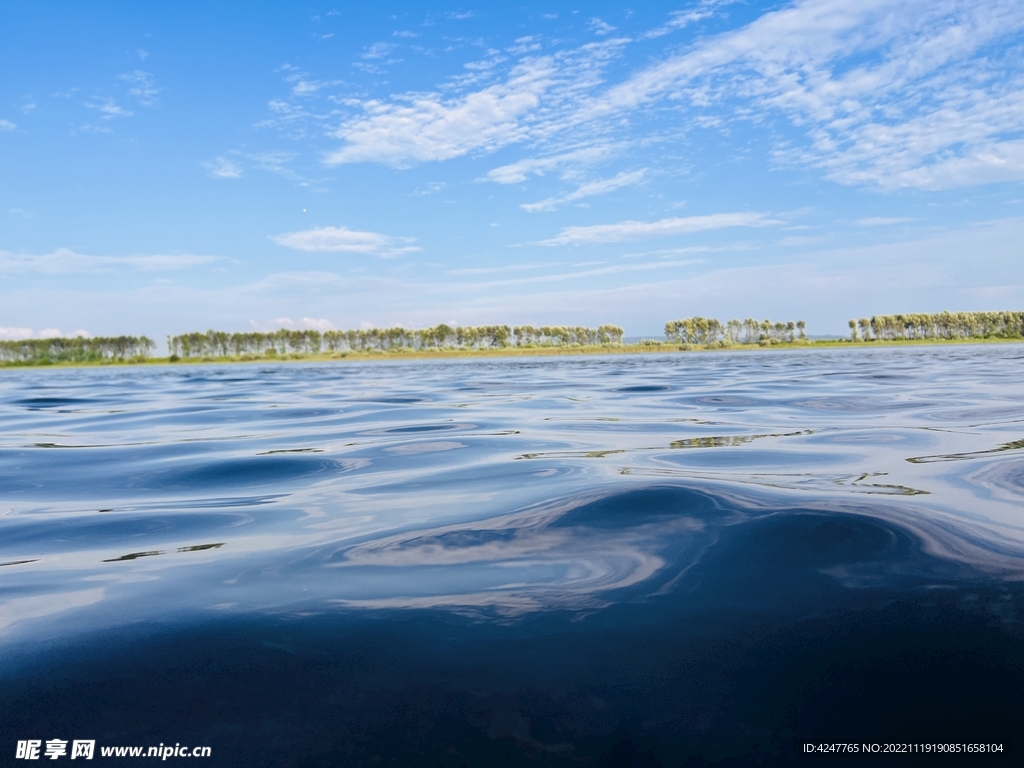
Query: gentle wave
pixel 126 476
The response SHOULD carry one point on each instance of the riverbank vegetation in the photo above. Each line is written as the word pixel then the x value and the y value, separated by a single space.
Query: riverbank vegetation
pixel 100 349
pixel 709 332
pixel 693 333
pixel 439 338
pixel 941 325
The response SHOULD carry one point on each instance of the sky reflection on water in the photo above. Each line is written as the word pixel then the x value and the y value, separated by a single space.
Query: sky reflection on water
pixel 493 491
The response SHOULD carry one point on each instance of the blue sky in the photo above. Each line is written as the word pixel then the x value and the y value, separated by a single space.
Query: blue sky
pixel 179 166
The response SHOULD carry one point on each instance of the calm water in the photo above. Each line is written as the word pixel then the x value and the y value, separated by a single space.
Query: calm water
pixel 600 560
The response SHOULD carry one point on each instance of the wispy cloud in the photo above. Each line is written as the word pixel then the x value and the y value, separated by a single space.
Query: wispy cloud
pixel 316 323
pixel 431 188
pixel 882 93
pixel 222 168
pixel 345 240
pixel 681 19
pixel 599 187
pixel 275 161
pixel 642 230
pixel 600 27
pixel 17 334
pixel 108 109
pixel 65 261
pixel 378 51
pixel 614 269
pixel 520 171
pixel 303 87
pixel 428 127
pixel 888 94
pixel 142 86
pixel 7 125
pixel 319 323
pixel 14 333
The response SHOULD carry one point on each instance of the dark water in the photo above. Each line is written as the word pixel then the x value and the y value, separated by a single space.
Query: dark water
pixel 647 561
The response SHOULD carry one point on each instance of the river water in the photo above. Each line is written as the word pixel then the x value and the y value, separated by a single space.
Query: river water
pixel 608 560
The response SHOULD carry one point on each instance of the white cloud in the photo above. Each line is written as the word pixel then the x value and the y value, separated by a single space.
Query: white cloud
pixel 141 86
pixel 304 87
pixel 378 50
pixel 888 93
pixel 275 161
pixel 319 324
pixel 880 93
pixel 222 168
pixel 600 27
pixel 108 109
pixel 64 261
pixel 15 334
pixel 518 172
pixel 312 323
pixel 345 240
pixel 525 44
pixel 681 19
pixel 600 187
pixel 431 188
pixel 429 127
pixel 642 230
pixel 7 125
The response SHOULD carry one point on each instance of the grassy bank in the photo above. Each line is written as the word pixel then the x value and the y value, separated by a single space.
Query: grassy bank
pixel 643 348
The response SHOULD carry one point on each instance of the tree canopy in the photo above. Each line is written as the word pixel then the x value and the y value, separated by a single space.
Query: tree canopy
pixel 941 325
pixel 76 350
pixel 709 331
pixel 280 342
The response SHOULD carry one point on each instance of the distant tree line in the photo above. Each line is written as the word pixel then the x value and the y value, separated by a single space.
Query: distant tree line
pixel 283 341
pixel 76 350
pixel 943 325
pixel 708 331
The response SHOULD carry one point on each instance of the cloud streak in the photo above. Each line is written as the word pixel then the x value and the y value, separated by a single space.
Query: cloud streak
pixel 142 86
pixel 222 168
pixel 884 93
pixel 520 171
pixel 65 261
pixel 644 230
pixel 429 128
pixel 345 240
pixel 887 94
pixel 589 189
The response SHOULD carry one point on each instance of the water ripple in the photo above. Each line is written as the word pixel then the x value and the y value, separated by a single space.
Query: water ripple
pixel 503 486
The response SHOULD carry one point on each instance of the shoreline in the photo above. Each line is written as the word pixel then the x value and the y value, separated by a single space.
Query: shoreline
pixel 448 354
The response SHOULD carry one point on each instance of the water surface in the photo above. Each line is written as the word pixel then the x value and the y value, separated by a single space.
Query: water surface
pixel 623 560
